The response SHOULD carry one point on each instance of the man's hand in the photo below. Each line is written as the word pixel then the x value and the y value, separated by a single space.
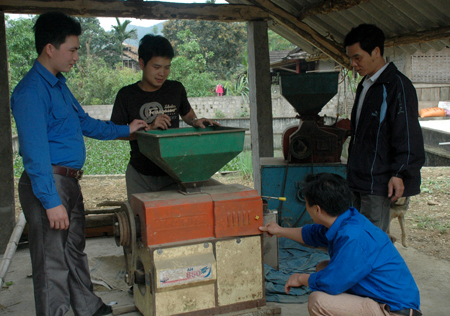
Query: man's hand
pixel 395 188
pixel 58 218
pixel 271 229
pixel 137 125
pixel 203 122
pixel 296 280
pixel 162 121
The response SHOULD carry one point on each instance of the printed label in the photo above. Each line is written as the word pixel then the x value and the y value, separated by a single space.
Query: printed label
pixel 185 275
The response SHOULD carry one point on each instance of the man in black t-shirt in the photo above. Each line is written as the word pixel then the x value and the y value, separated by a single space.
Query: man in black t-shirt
pixel 160 103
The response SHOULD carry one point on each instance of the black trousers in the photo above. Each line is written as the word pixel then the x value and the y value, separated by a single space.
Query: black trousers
pixel 60 267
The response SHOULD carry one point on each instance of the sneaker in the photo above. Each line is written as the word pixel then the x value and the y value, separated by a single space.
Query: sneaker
pixel 103 310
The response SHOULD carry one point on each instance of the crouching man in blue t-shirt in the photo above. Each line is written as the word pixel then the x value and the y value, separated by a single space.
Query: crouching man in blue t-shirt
pixel 365 275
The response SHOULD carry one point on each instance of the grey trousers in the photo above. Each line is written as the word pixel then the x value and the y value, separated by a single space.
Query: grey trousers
pixel 139 183
pixel 60 267
pixel 376 208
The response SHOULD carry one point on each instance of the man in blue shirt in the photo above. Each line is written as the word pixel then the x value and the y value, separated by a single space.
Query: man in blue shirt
pixel 365 274
pixel 51 124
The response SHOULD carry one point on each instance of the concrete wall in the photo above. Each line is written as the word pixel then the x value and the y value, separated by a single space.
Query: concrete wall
pixel 225 107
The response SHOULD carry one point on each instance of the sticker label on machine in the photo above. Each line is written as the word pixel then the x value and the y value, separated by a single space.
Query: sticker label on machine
pixel 185 275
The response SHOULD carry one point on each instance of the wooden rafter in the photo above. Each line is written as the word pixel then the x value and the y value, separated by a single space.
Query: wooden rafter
pixel 152 10
pixel 332 49
pixel 419 37
pixel 328 6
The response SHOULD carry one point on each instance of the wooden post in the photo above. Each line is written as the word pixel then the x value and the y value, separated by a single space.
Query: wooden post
pixel 260 96
pixel 7 210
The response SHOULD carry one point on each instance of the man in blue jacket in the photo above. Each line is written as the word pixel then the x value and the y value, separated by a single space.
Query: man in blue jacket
pixel 51 124
pixel 365 275
pixel 386 149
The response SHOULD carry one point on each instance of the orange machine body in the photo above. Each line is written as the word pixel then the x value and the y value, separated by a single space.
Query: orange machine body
pixel 218 211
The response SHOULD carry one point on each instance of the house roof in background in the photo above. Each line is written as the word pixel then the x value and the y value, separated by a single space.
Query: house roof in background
pixel 131 52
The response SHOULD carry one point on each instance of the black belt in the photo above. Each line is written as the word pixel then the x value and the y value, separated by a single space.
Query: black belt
pixel 408 312
pixel 68 172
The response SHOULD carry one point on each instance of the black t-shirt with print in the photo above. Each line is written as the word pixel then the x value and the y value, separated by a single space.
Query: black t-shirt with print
pixel 134 103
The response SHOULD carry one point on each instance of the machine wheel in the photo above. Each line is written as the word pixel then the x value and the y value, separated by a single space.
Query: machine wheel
pixel 125 233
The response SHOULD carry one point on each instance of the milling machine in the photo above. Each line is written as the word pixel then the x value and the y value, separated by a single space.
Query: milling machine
pixel 310 147
pixel 196 250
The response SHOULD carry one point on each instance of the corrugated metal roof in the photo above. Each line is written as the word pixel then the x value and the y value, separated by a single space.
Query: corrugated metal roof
pixel 394 17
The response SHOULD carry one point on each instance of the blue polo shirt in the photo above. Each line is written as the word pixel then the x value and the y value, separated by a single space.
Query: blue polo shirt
pixel 50 125
pixel 363 261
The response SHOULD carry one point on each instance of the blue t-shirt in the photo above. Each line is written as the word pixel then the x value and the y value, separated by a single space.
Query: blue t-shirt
pixel 51 124
pixel 363 261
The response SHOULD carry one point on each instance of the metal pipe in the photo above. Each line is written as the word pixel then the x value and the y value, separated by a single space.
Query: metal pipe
pixel 11 247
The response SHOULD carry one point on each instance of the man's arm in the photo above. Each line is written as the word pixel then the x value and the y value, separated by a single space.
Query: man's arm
pixel 34 148
pixel 272 228
pixel 407 140
pixel 192 120
pixel 395 188
pixel 296 280
pixel 58 218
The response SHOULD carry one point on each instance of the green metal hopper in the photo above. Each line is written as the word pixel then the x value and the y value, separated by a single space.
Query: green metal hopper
pixel 308 93
pixel 192 155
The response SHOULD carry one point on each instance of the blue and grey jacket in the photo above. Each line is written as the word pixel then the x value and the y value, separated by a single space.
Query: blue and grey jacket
pixel 388 139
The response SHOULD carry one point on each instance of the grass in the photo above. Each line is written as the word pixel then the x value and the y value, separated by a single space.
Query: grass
pixel 102 157
pixel 242 163
pixel 429 223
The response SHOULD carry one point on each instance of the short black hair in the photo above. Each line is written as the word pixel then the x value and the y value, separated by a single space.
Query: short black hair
pixel 327 190
pixel 154 46
pixel 368 36
pixel 53 28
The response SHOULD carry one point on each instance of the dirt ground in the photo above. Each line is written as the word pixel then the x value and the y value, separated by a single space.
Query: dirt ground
pixel 427 220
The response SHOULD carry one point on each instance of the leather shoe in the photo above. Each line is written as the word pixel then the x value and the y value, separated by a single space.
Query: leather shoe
pixel 103 310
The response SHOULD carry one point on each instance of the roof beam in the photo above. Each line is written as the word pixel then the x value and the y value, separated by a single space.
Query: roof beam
pixel 332 49
pixel 328 6
pixel 152 10
pixel 419 37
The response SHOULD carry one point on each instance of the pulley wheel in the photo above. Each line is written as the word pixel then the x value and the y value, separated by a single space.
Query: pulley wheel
pixel 122 229
pixel 300 147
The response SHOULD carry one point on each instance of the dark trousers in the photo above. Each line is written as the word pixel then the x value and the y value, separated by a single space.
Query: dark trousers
pixel 60 267
pixel 376 208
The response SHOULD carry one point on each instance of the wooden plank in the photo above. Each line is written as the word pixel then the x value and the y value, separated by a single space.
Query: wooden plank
pixel 436 94
pixel 445 94
pixel 419 37
pixel 152 10
pixel 426 95
pixel 7 209
pixel 329 6
pixel 260 96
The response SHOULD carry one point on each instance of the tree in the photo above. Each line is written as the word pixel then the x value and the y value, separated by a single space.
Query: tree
pixel 226 40
pixel 121 34
pixel 100 84
pixel 277 42
pixel 189 66
pixel 96 42
pixel 20 47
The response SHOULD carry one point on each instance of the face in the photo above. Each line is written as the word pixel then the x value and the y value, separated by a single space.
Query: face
pixel 363 62
pixel 312 211
pixel 155 73
pixel 65 57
